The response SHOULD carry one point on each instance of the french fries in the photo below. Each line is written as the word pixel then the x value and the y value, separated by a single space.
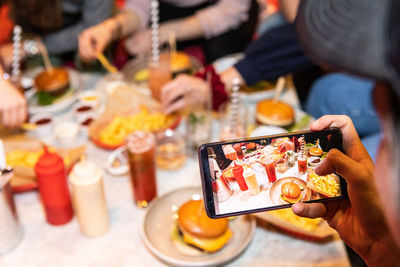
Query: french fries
pixel 120 126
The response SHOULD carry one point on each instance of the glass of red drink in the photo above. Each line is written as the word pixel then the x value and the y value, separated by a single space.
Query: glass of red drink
pixel 159 75
pixel 269 165
pixel 141 156
pixel 302 163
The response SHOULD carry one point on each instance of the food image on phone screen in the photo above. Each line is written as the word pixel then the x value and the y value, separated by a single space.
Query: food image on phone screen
pixel 266 173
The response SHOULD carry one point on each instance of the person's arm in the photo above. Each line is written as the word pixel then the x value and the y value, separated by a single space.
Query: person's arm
pixel 289 9
pixel 13 107
pixel 274 54
pixel 208 22
pixel 66 40
pixel 359 219
pixel 132 18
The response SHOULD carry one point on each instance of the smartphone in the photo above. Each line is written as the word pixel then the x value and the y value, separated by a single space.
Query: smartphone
pixel 266 173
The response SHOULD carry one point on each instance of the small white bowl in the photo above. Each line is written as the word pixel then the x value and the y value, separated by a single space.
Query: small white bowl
pixel 66 132
pixel 90 97
pixel 85 127
pixel 117 162
pixel 83 110
pixel 44 124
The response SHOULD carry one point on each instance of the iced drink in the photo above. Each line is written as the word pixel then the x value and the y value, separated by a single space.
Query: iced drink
pixel 251 181
pixel 159 75
pixel 269 164
pixel 141 155
pixel 302 163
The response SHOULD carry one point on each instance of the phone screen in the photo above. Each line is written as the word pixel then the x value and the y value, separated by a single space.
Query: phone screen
pixel 270 172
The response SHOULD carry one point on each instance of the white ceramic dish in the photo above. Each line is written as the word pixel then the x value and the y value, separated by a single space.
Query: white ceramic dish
pixel 117 163
pixel 63 102
pixel 42 130
pixel 66 132
pixel 159 221
pixel 267 130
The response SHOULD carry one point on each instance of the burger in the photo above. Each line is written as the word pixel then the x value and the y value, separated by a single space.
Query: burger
pixel 196 230
pixel 290 192
pixel 274 112
pixel 51 84
pixel 315 151
pixel 180 63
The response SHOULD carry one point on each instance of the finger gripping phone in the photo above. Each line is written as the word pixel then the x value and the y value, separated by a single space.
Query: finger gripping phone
pixel 266 173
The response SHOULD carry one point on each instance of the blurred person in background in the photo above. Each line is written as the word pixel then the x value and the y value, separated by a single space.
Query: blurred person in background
pixel 57 23
pixel 369 219
pixel 219 27
pixel 276 53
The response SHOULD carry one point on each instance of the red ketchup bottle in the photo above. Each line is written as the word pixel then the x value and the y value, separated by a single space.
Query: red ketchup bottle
pixel 238 172
pixel 53 188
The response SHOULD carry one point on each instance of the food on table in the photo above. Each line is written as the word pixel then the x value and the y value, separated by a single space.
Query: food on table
pixel 251 146
pixel 239 151
pixel 291 192
pixel 314 161
pixel 23 158
pixel 275 113
pixel 315 151
pixel 302 222
pixel 180 63
pixel 142 75
pixel 89 97
pixel 196 229
pixel 141 157
pixel 43 121
pixel 326 185
pixel 251 181
pixel 87 122
pixel 51 84
pixel 120 126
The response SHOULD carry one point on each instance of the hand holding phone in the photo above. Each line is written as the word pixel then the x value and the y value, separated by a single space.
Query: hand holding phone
pixel 269 172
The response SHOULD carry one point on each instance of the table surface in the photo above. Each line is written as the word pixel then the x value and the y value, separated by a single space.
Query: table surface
pixel 47 245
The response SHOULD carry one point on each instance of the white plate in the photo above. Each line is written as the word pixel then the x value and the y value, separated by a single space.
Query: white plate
pixel 159 222
pixel 63 102
pixel 267 130
pixel 264 130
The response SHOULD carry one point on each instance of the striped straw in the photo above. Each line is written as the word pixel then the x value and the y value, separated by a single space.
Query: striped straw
pixel 234 107
pixel 303 144
pixel 16 59
pixel 155 33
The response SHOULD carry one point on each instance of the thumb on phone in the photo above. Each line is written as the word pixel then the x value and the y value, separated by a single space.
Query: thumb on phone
pixel 349 169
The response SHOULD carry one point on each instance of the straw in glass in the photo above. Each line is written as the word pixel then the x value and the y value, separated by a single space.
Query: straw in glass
pixel 155 33
pixel 234 107
pixel 16 58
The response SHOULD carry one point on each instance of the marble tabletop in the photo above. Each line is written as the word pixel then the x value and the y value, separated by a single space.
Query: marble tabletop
pixel 47 245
